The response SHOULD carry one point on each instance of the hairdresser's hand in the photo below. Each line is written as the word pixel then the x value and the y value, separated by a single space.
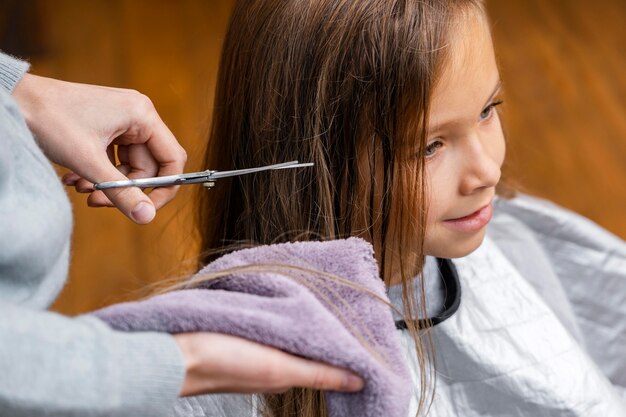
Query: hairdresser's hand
pixel 77 126
pixel 220 363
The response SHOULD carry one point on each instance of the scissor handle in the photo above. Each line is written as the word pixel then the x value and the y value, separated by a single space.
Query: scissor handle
pixel 152 182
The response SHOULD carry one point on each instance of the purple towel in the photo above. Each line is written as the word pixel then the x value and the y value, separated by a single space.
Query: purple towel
pixel 297 316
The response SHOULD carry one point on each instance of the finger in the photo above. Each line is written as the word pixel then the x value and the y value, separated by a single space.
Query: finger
pixel 306 373
pixel 166 151
pixel 83 186
pixel 136 162
pixel 98 198
pixel 111 154
pixel 221 363
pixel 140 161
pixel 272 370
pixel 122 154
pixel 163 195
pixel 70 178
pixel 144 165
pixel 129 200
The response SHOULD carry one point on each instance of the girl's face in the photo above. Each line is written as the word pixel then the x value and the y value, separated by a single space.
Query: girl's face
pixel 465 145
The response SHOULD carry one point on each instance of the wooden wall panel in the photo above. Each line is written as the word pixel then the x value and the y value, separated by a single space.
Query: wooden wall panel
pixel 169 51
pixel 562 63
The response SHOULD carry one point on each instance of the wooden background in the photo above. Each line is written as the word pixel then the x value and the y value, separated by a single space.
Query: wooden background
pixel 563 65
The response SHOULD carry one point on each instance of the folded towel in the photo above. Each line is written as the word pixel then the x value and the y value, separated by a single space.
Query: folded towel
pixel 310 316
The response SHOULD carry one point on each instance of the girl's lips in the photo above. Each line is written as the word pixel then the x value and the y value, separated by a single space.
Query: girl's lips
pixel 472 223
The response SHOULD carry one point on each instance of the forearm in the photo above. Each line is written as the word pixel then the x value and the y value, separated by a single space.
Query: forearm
pixel 11 71
pixel 57 366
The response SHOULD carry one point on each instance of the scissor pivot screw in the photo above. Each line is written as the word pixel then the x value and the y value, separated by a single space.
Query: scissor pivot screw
pixel 209 184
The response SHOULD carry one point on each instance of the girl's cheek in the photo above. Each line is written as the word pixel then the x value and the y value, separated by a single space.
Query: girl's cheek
pixel 499 142
pixel 436 192
pixel 493 142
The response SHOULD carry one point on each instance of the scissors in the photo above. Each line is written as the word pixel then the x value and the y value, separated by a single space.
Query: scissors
pixel 206 178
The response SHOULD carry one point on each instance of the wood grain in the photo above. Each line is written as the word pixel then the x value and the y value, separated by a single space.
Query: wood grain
pixel 563 67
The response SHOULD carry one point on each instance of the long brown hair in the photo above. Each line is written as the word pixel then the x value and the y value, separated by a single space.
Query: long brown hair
pixel 344 84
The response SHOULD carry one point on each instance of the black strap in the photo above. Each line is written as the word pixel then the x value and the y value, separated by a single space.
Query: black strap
pixel 451 304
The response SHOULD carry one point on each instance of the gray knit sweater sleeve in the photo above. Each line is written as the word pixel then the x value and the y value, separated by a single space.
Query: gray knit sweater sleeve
pixel 52 365
pixel 11 71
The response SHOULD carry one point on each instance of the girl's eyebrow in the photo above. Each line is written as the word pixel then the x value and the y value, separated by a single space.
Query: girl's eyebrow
pixel 440 126
pixel 495 93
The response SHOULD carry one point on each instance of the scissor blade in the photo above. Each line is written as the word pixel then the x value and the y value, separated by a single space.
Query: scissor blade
pixel 224 174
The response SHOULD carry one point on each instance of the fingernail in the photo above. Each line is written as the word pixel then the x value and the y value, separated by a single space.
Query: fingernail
pixel 143 213
pixel 352 383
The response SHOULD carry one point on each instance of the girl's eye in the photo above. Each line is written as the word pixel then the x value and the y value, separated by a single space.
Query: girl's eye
pixel 432 147
pixel 488 111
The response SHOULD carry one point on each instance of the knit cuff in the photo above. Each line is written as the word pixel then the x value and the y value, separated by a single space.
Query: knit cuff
pixel 152 383
pixel 145 373
pixel 11 71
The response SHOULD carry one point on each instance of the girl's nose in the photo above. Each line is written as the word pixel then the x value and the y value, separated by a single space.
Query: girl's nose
pixel 482 162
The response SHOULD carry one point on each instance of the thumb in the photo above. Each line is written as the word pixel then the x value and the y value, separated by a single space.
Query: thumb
pixel 131 201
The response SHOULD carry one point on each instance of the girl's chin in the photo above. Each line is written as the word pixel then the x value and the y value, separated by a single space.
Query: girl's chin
pixel 453 245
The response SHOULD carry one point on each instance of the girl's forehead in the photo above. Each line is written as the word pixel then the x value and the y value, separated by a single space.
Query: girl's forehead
pixel 469 72
pixel 469 42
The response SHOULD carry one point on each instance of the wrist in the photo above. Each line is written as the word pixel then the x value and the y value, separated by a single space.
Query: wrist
pixel 27 94
pixel 186 345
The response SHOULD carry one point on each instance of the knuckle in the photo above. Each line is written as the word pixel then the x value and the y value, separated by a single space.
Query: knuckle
pixel 273 373
pixel 140 98
pixel 183 155
pixel 121 195
pixel 142 104
pixel 320 379
pixel 83 186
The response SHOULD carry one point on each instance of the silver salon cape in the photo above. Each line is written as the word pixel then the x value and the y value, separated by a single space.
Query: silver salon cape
pixel 541 327
pixel 540 330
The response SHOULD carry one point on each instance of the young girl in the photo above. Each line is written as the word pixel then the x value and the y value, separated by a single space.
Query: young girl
pixel 395 102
